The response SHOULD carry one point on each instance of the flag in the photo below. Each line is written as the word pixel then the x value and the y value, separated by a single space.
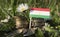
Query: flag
pixel 40 13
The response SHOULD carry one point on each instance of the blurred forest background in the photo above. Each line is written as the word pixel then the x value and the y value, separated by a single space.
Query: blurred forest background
pixel 53 30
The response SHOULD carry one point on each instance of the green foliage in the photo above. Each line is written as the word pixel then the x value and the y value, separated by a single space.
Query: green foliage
pixel 7 26
pixel 54 6
pixel 53 32
pixel 19 35
pixel 39 33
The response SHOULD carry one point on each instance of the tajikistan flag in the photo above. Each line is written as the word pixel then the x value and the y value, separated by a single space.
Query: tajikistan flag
pixel 40 13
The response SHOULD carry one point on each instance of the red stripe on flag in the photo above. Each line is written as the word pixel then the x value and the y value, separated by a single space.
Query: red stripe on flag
pixel 41 9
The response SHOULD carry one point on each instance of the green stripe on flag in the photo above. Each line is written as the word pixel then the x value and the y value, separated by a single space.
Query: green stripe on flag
pixel 40 16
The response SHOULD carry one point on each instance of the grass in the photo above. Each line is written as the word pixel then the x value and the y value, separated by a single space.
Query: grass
pixel 53 5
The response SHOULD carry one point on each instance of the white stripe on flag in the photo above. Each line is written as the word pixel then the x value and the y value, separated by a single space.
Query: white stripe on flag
pixel 34 12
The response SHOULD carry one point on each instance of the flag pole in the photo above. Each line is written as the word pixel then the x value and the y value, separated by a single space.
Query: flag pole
pixel 30 23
